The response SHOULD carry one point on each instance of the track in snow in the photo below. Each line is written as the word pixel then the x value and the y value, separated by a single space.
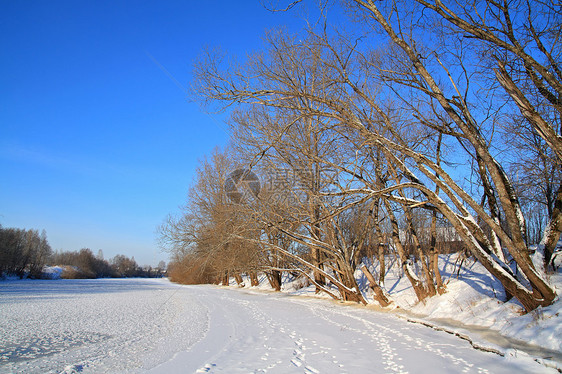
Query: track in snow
pixel 157 327
pixel 275 333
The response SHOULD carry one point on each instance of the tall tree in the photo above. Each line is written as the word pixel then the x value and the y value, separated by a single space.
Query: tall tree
pixel 354 90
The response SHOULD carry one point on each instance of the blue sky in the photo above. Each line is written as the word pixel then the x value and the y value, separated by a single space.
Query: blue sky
pixel 97 143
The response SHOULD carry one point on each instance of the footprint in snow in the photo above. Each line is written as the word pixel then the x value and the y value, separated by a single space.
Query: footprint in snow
pixel 206 368
pixel 310 369
pixel 71 369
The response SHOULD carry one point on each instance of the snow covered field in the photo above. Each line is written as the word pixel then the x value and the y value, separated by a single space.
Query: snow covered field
pixel 138 325
pixel 103 325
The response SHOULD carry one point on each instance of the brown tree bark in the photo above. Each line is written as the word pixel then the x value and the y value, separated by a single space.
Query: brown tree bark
pixel 274 278
pixel 254 279
pixel 380 242
pixel 239 280
pixel 225 278
pixel 417 285
pixel 553 231
pixel 379 296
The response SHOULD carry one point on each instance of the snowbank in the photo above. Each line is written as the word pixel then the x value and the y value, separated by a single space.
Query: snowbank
pixel 474 300
pixel 472 304
pixel 52 272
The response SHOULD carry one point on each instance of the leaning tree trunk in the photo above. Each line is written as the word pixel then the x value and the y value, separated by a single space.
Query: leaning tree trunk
pixel 254 279
pixel 430 286
pixel 351 290
pixel 542 293
pixel 379 295
pixel 434 255
pixel 553 231
pixel 239 280
pixel 380 243
pixel 433 251
pixel 225 278
pixel 417 285
pixel 274 278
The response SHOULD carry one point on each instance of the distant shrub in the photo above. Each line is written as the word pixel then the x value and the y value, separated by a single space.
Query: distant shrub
pixel 191 270
pixel 85 265
pixel 72 272
pixel 124 266
pixel 27 254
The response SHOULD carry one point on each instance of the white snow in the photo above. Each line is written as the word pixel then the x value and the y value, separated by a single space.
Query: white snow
pixel 137 325
pixel 473 299
pixel 52 272
pixel 103 325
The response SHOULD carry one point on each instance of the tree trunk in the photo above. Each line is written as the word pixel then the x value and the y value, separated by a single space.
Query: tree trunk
pixel 430 286
pixel 380 244
pixel 239 280
pixel 274 278
pixel 417 285
pixel 382 266
pixel 254 279
pixel 553 231
pixel 434 255
pixel 379 293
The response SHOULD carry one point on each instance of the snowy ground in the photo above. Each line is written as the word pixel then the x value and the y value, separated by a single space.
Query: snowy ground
pixel 471 306
pixel 95 325
pixel 473 299
pixel 154 326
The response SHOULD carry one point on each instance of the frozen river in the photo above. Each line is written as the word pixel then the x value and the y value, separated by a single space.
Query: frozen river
pixel 148 325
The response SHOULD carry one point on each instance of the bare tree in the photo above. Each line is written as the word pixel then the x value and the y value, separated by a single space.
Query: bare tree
pixel 494 31
pixel 23 252
pixel 353 91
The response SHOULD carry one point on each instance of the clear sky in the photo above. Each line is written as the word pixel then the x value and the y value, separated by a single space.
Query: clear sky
pixel 97 143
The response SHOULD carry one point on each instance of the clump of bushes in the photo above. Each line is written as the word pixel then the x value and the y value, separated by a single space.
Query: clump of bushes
pixel 83 264
pixel 191 269
pixel 25 253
